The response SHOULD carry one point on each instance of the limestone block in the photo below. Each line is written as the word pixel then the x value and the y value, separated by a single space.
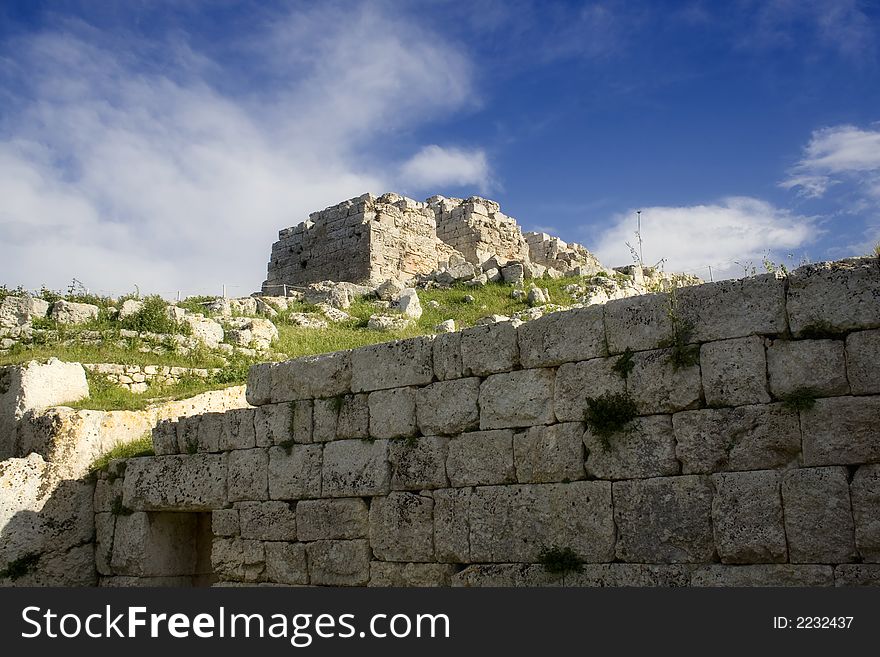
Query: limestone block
pixel 393 364
pixel 865 491
pixel 259 384
pixel 165 438
pixel 447 356
pixel 818 515
pixel 224 522
pixel 834 296
pixel 517 399
pixel 577 382
pixel 656 385
pixel 506 574
pixel 664 520
pixel 452 525
pixel 286 563
pixel 549 454
pixel 267 521
pixel 742 438
pixel 194 482
pixel 301 427
pixel 188 434
pixel 857 575
pixel 343 518
pixel 248 472
pixel 210 430
pixel 205 330
pixel 514 523
pixel 862 356
pixel 355 468
pixel 422 575
pixel 354 417
pixel 734 372
pixel 747 517
pixel 409 303
pixel 762 575
pixel 324 375
pixel 639 323
pixel 629 574
pixel 18 311
pixel 402 527
pixel 273 423
pixel 339 563
pixel 735 308
pixel 105 526
pixel 448 407
pixel 419 464
pixel 816 365
pixel 295 472
pixel 69 312
pixel 238 430
pixel 146 544
pixel 489 348
pixel 106 492
pixel 393 413
pixel 238 560
pixel 841 430
pixel 325 413
pixel 563 337
pixel 645 449
pixel 481 458
pixel 513 273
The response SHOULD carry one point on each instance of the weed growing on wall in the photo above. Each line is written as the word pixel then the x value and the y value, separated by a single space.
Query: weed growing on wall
pixel 20 567
pixel 608 415
pixel 560 561
pixel 802 399
pixel 682 352
pixel 624 364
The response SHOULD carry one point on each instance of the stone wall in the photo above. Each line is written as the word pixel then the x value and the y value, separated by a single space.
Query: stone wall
pixel 137 378
pixel 362 240
pixel 459 459
pixel 371 240
pixel 47 514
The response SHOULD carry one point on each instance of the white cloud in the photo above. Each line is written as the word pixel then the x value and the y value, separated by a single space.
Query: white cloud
pixel 118 172
pixel 833 155
pixel 736 229
pixel 434 167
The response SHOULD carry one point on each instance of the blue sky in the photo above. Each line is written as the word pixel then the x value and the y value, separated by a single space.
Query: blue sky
pixel 164 143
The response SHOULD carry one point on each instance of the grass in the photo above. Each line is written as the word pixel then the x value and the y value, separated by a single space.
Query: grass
pixel 143 446
pixel 106 396
pixel 608 415
pixel 560 561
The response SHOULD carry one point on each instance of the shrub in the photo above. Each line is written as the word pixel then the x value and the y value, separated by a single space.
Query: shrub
pixel 560 561
pixel 153 318
pixel 609 414
pixel 624 364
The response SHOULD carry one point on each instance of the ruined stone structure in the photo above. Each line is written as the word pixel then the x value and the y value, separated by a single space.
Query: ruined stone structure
pixel 370 240
pixel 457 459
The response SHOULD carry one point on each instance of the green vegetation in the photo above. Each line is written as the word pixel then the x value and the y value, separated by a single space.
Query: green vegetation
pixel 608 415
pixel 143 446
pixel 802 399
pixel 106 396
pixel 821 330
pixel 20 567
pixel 624 364
pixel 153 317
pixel 560 561
pixel 682 352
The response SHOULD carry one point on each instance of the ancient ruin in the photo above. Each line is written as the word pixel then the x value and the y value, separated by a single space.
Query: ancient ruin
pixel 369 240
pixel 738 446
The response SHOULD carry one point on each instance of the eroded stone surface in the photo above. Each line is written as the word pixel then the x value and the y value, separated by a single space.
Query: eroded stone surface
pixel 517 399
